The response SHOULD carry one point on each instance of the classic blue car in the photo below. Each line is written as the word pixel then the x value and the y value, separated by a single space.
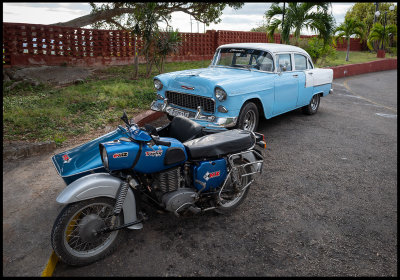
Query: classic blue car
pixel 243 82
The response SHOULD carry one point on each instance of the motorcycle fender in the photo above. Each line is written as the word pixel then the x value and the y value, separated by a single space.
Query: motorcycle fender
pixel 96 185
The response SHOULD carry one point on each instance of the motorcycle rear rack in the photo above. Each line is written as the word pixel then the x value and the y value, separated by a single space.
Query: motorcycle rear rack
pixel 256 165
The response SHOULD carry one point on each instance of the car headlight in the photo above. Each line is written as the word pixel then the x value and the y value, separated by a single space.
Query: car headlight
pixel 157 84
pixel 104 157
pixel 220 94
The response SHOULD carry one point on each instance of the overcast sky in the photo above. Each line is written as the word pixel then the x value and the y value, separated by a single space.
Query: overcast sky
pixel 249 16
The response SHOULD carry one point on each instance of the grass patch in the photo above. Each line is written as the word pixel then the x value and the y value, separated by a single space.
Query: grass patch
pixel 45 112
pixel 354 57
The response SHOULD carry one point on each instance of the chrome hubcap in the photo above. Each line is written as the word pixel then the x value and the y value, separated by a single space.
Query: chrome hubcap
pixel 249 121
pixel 314 102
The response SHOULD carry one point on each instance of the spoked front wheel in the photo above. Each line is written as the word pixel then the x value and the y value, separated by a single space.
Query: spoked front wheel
pixel 75 238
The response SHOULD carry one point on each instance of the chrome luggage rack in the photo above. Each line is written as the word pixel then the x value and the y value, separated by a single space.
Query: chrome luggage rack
pixel 256 168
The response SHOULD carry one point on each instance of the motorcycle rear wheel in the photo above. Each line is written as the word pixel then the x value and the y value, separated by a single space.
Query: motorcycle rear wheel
pixel 73 235
pixel 232 201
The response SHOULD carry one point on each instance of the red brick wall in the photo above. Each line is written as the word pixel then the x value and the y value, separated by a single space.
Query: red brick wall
pixel 362 68
pixel 37 44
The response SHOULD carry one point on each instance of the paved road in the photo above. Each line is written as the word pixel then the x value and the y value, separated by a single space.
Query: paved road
pixel 325 205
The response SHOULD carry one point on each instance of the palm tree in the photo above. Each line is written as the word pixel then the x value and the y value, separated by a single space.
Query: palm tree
pixel 299 16
pixel 379 34
pixel 348 28
pixel 167 42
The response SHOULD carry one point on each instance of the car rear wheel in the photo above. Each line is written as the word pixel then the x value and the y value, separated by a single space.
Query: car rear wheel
pixel 312 108
pixel 248 117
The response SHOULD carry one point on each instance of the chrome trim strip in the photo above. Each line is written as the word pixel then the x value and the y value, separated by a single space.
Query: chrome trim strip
pixel 217 121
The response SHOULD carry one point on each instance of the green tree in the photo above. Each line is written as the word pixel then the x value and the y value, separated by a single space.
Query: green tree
pixel 299 16
pixel 168 42
pixel 365 12
pixel 123 14
pixel 348 28
pixel 142 19
pixel 379 34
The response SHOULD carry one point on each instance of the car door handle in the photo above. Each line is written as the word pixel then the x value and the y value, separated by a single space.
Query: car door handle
pixel 295 75
pixel 309 73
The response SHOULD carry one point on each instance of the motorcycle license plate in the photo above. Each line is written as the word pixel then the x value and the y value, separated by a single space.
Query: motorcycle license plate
pixel 176 112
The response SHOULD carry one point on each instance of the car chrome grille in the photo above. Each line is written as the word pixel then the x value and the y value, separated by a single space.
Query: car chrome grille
pixel 190 101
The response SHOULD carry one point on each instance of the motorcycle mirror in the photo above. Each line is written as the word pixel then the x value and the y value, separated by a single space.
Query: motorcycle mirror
pixel 125 119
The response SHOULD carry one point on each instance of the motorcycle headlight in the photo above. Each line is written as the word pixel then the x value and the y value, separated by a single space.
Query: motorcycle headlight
pixel 220 94
pixel 104 157
pixel 157 84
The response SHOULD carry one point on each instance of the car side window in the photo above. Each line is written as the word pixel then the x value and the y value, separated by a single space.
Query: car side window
pixel 300 62
pixel 265 62
pixel 309 64
pixel 284 60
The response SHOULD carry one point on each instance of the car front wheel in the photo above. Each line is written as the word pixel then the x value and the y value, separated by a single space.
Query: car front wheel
pixel 248 117
pixel 312 108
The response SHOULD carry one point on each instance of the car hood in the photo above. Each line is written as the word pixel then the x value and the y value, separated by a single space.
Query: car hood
pixel 203 81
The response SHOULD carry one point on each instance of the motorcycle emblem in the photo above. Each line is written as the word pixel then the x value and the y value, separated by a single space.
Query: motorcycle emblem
pixel 209 175
pixel 120 155
pixel 157 153
pixel 66 158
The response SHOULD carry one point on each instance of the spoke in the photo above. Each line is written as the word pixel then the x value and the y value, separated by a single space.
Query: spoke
pixel 74 242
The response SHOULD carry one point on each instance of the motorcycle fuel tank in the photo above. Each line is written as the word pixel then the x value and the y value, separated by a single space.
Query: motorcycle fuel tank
pixel 123 155
pixel 211 173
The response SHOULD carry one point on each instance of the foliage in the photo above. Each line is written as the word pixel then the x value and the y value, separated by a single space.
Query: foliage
pixel 299 16
pixel 167 42
pixel 317 49
pixel 263 27
pixel 378 33
pixel 365 12
pixel 142 19
pixel 123 15
pixel 348 28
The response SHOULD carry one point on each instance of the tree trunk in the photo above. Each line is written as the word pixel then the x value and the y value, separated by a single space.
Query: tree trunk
pixel 136 62
pixel 92 18
pixel 348 49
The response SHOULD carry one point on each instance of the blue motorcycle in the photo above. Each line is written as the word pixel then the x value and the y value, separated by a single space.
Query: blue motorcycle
pixel 182 167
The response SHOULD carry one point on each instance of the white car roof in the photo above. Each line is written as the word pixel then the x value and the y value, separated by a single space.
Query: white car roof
pixel 273 48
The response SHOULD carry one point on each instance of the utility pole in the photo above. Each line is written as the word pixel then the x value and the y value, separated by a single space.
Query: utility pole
pixel 283 20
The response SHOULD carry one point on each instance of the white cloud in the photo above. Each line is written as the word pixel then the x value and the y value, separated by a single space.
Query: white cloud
pixel 42 13
pixel 244 19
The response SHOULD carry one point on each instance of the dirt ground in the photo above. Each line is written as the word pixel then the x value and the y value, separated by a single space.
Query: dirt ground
pixel 56 75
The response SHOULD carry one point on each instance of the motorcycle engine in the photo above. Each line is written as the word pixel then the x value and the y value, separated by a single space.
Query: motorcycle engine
pixel 171 190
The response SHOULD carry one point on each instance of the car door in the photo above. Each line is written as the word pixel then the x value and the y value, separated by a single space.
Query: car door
pixel 286 84
pixel 305 78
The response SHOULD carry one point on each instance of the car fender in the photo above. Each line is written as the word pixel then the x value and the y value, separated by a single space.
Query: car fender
pixel 98 185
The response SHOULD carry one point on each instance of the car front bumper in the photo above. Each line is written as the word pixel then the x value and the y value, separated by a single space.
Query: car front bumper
pixel 210 120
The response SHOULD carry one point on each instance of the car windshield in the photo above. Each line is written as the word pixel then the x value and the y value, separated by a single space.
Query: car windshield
pixel 244 58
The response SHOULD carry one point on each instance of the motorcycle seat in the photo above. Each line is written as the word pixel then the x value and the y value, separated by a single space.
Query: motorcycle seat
pixel 184 129
pixel 219 144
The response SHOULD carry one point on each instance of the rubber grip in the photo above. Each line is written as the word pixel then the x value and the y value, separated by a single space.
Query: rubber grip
pixel 164 143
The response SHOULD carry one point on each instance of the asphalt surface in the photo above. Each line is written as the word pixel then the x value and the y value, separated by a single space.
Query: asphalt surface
pixel 325 205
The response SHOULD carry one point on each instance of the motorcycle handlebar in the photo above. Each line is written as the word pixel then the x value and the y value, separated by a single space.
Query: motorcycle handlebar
pixel 164 143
